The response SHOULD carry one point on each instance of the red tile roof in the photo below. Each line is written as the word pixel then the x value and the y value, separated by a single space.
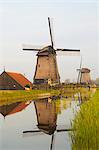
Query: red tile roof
pixel 23 81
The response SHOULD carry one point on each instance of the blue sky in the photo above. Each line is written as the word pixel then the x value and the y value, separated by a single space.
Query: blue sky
pixel 75 25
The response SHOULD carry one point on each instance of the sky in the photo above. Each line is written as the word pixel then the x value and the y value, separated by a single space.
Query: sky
pixel 75 25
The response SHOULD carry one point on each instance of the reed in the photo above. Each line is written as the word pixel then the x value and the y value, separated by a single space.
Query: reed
pixel 86 125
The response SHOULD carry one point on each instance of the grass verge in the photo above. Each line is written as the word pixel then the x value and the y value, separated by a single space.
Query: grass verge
pixel 10 96
pixel 86 125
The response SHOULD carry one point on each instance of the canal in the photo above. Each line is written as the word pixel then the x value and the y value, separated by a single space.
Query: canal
pixel 37 125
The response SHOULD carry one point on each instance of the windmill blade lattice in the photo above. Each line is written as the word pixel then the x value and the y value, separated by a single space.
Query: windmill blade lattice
pixel 30 134
pixel 51 35
pixel 68 52
pixel 79 73
pixel 31 47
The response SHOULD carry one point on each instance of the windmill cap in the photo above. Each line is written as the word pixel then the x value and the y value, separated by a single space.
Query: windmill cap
pixel 85 70
pixel 46 51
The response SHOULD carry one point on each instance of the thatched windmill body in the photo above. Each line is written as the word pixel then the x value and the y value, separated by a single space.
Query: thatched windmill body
pixel 46 68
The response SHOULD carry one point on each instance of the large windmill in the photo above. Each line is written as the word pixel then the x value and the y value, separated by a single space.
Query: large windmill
pixel 46 68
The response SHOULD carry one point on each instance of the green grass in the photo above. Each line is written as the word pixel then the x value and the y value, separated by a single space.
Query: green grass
pixel 86 125
pixel 10 96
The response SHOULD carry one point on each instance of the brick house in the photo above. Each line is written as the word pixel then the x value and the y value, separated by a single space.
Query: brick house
pixel 13 81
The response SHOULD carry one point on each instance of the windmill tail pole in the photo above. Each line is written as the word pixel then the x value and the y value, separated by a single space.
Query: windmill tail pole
pixel 49 22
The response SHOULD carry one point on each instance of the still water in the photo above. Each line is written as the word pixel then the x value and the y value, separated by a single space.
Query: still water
pixel 37 125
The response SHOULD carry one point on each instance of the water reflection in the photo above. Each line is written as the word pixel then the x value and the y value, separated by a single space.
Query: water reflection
pixel 46 119
pixel 47 112
pixel 13 108
pixel 46 115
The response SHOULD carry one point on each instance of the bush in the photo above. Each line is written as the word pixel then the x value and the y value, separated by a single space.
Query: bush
pixel 27 86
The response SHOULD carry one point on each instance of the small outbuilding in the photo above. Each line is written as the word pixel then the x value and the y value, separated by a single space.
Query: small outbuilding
pixel 13 81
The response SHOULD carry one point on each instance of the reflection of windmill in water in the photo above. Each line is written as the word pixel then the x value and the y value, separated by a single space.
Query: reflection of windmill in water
pixel 46 116
pixel 83 75
pixel 46 68
pixel 46 113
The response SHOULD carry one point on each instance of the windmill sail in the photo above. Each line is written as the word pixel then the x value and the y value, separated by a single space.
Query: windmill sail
pixel 68 52
pixel 51 36
pixel 52 141
pixel 79 73
pixel 30 48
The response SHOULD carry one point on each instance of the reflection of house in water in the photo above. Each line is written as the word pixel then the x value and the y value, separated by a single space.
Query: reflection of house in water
pixel 46 115
pixel 6 110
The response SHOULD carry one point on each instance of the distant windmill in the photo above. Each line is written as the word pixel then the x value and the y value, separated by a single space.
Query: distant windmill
pixel 83 75
pixel 46 68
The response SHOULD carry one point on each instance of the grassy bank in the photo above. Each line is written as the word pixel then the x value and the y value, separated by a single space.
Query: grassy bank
pixel 86 123
pixel 10 96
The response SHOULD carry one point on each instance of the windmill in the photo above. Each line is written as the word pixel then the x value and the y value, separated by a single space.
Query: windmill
pixel 47 120
pixel 46 68
pixel 83 75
